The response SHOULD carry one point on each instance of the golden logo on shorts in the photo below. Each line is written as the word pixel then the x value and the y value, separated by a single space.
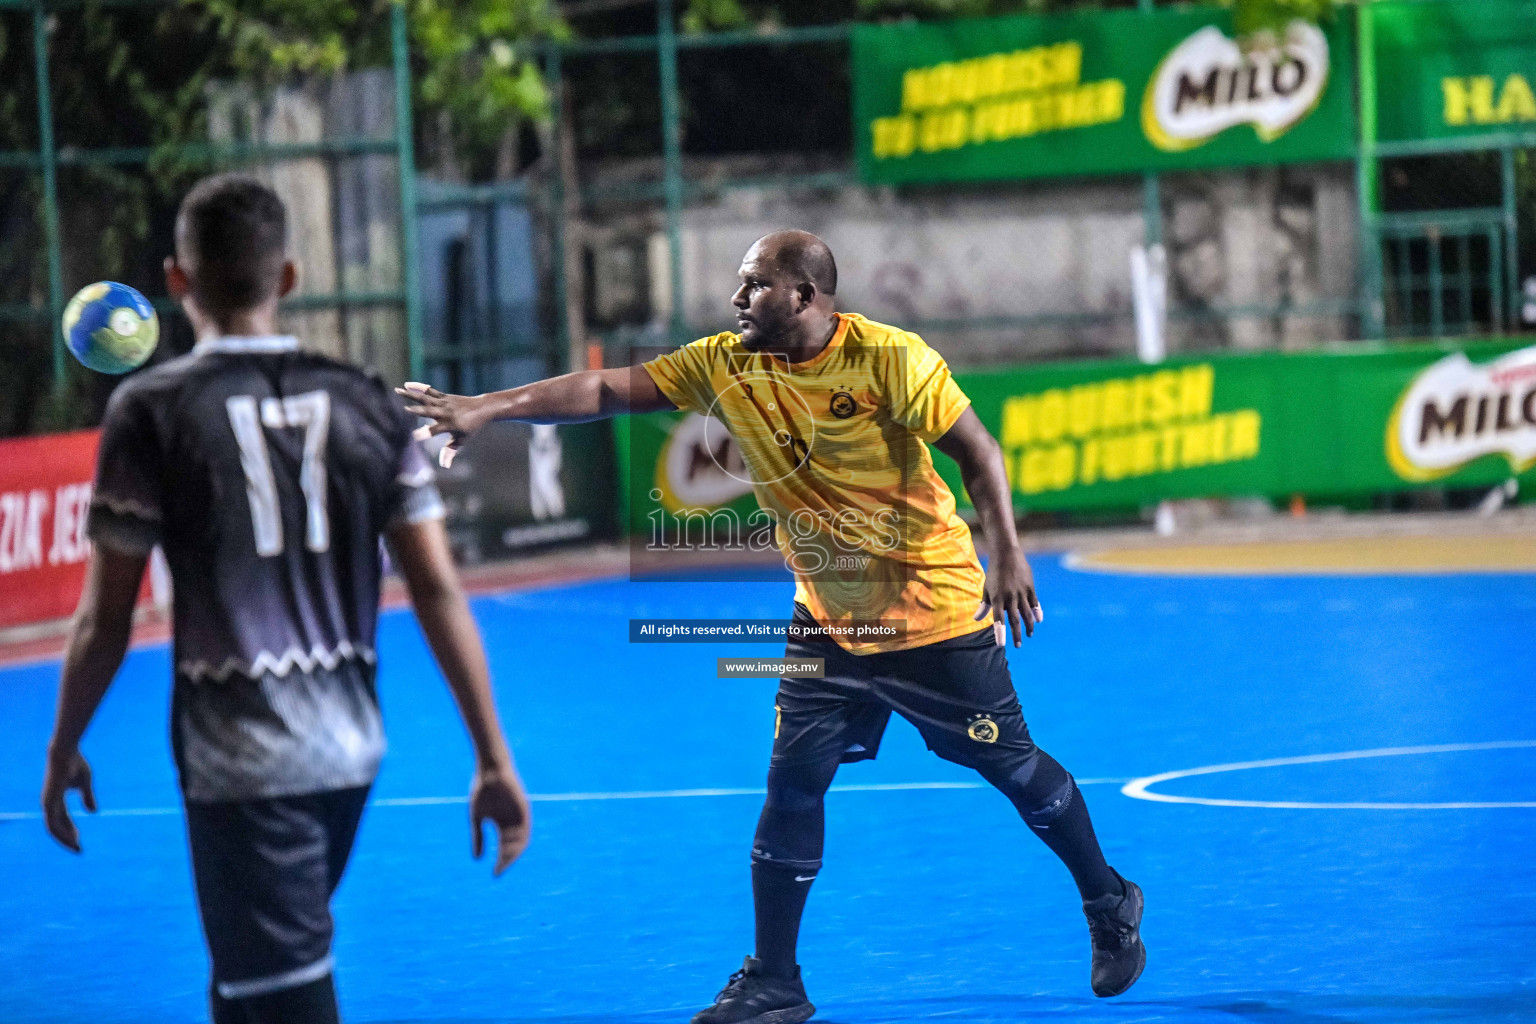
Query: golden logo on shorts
pixel 982 730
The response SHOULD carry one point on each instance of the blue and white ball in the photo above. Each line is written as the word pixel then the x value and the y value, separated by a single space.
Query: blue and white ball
pixel 110 327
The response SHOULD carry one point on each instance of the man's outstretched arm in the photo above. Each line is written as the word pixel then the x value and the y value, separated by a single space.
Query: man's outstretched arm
pixel 421 550
pixel 97 642
pixel 1010 581
pixel 572 398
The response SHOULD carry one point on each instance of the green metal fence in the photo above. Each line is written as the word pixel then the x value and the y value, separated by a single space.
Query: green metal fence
pixel 1379 230
pixel 674 189
pixel 1383 235
pixel 1444 273
pixel 49 157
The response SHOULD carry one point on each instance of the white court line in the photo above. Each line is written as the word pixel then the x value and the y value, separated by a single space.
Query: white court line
pixel 1140 789
pixel 639 794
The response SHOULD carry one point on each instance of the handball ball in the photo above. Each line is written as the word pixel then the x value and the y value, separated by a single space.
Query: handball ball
pixel 110 327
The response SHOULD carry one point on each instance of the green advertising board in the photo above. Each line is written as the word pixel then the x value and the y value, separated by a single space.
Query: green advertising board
pixel 1454 68
pixel 1082 435
pixel 1096 93
pixel 1114 434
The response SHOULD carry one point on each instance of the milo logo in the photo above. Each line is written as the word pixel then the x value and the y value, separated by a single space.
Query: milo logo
pixel 700 465
pixel 1456 411
pixel 1210 83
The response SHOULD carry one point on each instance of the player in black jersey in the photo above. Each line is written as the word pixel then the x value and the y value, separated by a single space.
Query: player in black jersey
pixel 268 475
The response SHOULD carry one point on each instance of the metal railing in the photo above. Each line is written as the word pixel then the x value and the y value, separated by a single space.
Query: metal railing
pixel 673 189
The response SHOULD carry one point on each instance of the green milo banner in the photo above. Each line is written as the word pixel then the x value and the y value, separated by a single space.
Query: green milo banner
pixel 1329 422
pixel 1095 93
pixel 1086 435
pixel 1454 68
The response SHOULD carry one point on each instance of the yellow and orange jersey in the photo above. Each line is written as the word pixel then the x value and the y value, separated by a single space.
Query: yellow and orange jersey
pixel 835 450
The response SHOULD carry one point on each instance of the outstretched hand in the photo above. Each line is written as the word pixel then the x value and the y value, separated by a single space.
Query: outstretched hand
pixel 456 415
pixel 1010 596
pixel 497 795
pixel 64 773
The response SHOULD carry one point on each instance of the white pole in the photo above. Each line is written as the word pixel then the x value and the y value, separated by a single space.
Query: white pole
pixel 1149 295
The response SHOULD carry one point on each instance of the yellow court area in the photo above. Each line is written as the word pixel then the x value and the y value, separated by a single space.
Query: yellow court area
pixel 1485 553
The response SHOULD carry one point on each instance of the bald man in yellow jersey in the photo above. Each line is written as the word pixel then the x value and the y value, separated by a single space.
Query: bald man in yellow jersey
pixel 833 415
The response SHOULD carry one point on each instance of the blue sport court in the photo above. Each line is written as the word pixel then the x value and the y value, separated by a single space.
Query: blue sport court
pixel 1267 901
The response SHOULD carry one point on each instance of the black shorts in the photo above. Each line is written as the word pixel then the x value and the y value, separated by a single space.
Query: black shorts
pixel 265 872
pixel 957 692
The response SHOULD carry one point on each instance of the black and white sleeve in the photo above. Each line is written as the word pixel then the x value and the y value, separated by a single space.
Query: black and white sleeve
pixel 127 505
pixel 414 496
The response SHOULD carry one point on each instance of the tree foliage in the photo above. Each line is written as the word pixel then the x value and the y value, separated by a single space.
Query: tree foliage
pixel 141 75
pixel 702 15
pixel 136 75
pixel 1252 16
pixel 472 71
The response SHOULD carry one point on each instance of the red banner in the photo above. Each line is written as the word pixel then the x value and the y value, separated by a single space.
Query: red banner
pixel 45 493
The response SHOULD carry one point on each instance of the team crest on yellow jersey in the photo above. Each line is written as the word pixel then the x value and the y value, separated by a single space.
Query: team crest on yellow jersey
pixel 843 405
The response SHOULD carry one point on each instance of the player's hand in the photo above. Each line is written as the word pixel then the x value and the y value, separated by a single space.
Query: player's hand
pixel 67 770
pixel 457 415
pixel 1011 596
pixel 497 794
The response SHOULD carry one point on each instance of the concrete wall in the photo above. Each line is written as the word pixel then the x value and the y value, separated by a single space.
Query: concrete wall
pixel 1055 252
pixel 1262 237
pixel 343 214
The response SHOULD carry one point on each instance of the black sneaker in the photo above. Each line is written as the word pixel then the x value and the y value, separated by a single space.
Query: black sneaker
pixel 752 997
pixel 1114 925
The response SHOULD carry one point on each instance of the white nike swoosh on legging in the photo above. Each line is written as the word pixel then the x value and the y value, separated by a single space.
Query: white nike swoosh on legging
pixel 805 878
